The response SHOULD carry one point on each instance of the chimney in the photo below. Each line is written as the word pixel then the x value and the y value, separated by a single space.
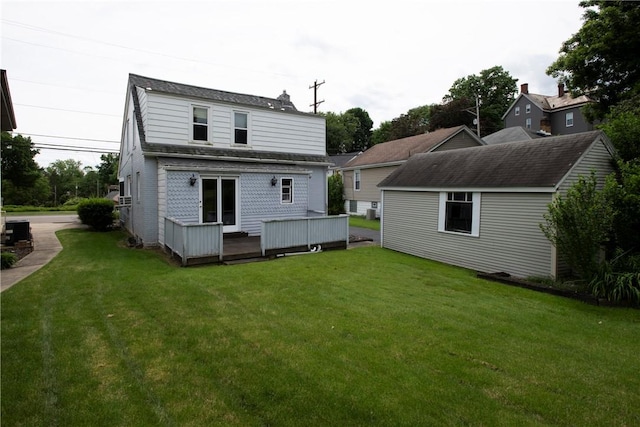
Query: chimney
pixel 560 90
pixel 524 88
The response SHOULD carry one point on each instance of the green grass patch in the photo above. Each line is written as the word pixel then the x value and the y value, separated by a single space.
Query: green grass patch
pixel 107 335
pixel 362 222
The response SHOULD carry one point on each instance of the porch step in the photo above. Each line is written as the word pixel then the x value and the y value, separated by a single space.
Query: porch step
pixel 236 235
pixel 245 260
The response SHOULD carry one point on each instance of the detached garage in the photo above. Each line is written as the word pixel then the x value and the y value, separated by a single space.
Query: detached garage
pixel 480 208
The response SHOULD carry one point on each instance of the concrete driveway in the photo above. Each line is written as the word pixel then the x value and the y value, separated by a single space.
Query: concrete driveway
pixel 45 245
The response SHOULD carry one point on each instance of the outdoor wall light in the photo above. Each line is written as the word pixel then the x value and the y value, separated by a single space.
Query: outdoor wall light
pixel 193 180
pixel 274 181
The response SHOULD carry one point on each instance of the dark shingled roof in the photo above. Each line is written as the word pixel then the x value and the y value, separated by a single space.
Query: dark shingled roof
pixel 281 103
pixel 512 134
pixel 193 151
pixel 540 163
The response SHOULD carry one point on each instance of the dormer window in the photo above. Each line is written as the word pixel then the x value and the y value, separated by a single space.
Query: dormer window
pixel 200 124
pixel 241 127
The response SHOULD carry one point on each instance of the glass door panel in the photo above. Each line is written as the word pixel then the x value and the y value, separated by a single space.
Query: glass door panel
pixel 229 202
pixel 209 200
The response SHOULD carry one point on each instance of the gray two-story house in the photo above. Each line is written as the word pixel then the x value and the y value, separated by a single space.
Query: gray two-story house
pixel 558 114
pixel 204 156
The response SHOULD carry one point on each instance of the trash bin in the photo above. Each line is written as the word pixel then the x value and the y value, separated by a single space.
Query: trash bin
pixel 16 230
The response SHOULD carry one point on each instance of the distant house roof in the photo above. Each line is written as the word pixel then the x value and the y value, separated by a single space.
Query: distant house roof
pixel 518 164
pixel 8 117
pixel 546 103
pixel 512 134
pixel 400 150
pixel 339 160
pixel 282 102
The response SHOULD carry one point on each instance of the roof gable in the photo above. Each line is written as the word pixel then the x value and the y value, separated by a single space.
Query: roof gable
pixel 511 134
pixel 542 163
pixel 281 103
pixel 400 150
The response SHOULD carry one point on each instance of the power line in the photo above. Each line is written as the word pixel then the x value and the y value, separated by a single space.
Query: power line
pixel 68 111
pixel 70 137
pixel 79 149
pixel 13 79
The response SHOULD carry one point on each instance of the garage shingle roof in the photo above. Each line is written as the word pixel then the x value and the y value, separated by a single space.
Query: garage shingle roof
pixel 540 163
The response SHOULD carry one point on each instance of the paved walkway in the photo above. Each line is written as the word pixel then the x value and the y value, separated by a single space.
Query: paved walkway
pixel 46 246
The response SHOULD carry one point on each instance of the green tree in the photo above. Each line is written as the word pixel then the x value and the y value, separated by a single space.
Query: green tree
pixel 622 126
pixel 22 181
pixel 340 129
pixel 361 138
pixel 495 89
pixel 450 114
pixel 382 133
pixel 601 60
pixel 64 176
pixel 336 195
pixel 580 223
pixel 108 171
pixel 414 122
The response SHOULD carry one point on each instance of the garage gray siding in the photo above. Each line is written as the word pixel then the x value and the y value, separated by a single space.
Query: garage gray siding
pixel 510 239
pixel 597 159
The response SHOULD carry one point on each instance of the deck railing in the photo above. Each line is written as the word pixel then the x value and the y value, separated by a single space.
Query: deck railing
pixel 193 241
pixel 282 235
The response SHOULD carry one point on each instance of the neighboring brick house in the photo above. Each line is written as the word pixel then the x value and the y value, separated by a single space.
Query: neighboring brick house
pixel 202 155
pixel 558 114
pixel 362 174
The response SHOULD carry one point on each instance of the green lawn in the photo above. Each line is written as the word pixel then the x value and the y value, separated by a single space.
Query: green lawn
pixel 360 221
pixel 107 335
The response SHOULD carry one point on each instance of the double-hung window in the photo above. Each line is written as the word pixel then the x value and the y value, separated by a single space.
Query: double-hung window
pixel 356 180
pixel 286 190
pixel 241 128
pixel 200 116
pixel 517 111
pixel 527 108
pixel 569 119
pixel 459 212
pixel 527 123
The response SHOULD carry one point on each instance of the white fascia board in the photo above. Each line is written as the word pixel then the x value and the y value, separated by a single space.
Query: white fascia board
pixel 375 165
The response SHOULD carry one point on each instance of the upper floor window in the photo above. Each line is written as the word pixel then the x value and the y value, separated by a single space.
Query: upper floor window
pixel 527 108
pixel 459 212
pixel 569 119
pixel 200 124
pixel 240 121
pixel 528 123
pixel 517 111
pixel 356 180
pixel 286 190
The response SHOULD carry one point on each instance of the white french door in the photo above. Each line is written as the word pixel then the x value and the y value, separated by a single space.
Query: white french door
pixel 219 202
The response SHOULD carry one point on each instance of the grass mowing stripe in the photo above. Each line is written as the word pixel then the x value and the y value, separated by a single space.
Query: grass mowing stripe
pixel 132 366
pixel 50 384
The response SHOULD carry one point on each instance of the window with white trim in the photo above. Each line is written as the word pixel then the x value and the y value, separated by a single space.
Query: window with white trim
pixel 356 180
pixel 459 213
pixel 527 108
pixel 286 190
pixel 517 111
pixel 241 128
pixel 569 119
pixel 200 123
pixel 128 185
pixel 528 123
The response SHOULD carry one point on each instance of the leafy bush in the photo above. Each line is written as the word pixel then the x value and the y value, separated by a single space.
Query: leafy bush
pixel 72 203
pixel 336 195
pixel 8 259
pixel 96 213
pixel 618 280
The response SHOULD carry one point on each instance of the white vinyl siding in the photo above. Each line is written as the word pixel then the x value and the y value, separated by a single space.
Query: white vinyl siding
pixel 162 202
pixel 270 130
pixel 510 239
pixel 596 159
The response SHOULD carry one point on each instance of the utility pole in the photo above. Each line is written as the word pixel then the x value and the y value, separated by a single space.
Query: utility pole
pixel 478 115
pixel 315 104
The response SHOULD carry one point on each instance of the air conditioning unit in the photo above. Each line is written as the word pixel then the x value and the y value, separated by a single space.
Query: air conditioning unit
pixel 124 200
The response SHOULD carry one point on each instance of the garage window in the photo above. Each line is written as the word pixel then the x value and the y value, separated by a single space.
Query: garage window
pixel 459 213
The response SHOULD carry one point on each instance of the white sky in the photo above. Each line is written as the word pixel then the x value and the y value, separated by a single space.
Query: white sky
pixel 67 62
